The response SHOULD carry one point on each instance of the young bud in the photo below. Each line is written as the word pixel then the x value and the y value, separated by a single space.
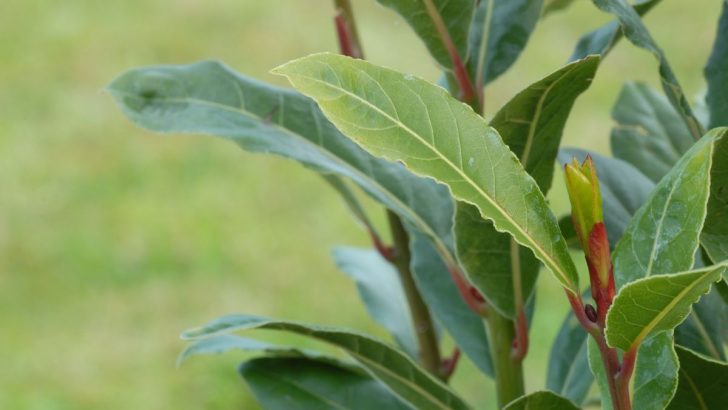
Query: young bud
pixel 586 200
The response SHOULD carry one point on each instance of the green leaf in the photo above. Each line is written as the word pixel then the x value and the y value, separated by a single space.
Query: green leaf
pixel 649 134
pixel 624 189
pixel 716 73
pixel 637 33
pixel 500 31
pixel 703 383
pixel 703 330
pixel 381 290
pixel 568 370
pixel 209 98
pixel 663 235
pixel 715 232
pixel 657 303
pixel 597 368
pixel 391 367
pixel 456 16
pixel 541 400
pixel 304 383
pixel 440 294
pixel 404 118
pixel 551 6
pixel 602 40
pixel 351 201
pixel 655 375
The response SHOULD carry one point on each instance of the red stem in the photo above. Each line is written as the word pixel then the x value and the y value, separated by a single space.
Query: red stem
pixel 450 364
pixel 520 348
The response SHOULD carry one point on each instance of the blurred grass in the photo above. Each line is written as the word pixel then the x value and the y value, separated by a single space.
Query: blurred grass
pixel 112 240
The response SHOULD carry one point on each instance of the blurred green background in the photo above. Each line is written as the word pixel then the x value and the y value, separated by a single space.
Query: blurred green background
pixel 113 240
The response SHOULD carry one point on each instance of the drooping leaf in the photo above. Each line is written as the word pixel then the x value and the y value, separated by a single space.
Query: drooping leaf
pixel 379 286
pixel 602 40
pixel 390 366
pixel 703 330
pixel 500 31
pixel 715 232
pixel 541 400
pixel 531 124
pixel 280 383
pixel 568 371
pixel 445 302
pixel 655 304
pixel 663 235
pixel 624 189
pixel 649 134
pixel 407 119
pixel 637 34
pixel 716 73
pixel 454 15
pixel 703 383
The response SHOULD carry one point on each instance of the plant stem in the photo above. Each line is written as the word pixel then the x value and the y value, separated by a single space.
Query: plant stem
pixel 424 328
pixel 346 30
pixel 508 369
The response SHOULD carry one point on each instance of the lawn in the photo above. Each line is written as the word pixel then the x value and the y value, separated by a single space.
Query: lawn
pixel 113 240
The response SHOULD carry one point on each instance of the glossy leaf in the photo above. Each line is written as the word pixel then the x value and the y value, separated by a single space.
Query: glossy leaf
pixel 393 368
pixel 404 118
pixel 657 303
pixel 703 383
pixel 602 40
pixel 379 287
pixel 541 400
pixel 500 31
pixel 649 134
pixel 456 16
pixel 445 302
pixel 624 189
pixel 280 383
pixel 715 232
pixel 637 33
pixel 568 370
pixel 716 73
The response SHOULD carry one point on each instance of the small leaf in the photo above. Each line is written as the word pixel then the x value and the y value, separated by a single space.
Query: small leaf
pixel 381 290
pixel 541 400
pixel 716 73
pixel 280 383
pixel 657 303
pixel 703 383
pixel 649 134
pixel 715 232
pixel 500 31
pixel 391 367
pixel 456 16
pixel 568 369
pixel 637 33
pixel 407 119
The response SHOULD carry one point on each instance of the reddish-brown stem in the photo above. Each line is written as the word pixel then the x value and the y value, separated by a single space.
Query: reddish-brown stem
pixel 470 294
pixel 520 344
pixel 623 378
pixel 346 31
pixel 386 251
pixel 450 364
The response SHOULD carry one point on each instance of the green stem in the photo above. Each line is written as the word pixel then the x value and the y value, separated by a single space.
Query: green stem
pixel 508 369
pixel 429 350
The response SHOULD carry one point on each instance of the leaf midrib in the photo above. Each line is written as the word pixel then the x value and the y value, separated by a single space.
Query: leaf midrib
pixel 466 178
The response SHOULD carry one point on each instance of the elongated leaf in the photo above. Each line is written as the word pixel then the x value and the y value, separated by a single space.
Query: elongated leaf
pixel 456 16
pixel 703 330
pixel 541 400
pixel 445 302
pixel 602 40
pixel 500 31
pixel 407 119
pixel 351 201
pixel 716 73
pixel 391 367
pixel 703 383
pixel 663 235
pixel 304 383
pixel 655 375
pixel 381 290
pixel 568 370
pixel 654 304
pixel 649 134
pixel 637 33
pixel 715 232
pixel 624 189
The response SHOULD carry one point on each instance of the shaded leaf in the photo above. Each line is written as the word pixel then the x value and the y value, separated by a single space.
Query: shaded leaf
pixel 407 119
pixel 568 370
pixel 716 73
pixel 351 201
pixel 304 383
pixel 541 400
pixel 380 288
pixel 551 6
pixel 393 368
pixel 715 232
pixel 456 15
pixel 703 383
pixel 703 330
